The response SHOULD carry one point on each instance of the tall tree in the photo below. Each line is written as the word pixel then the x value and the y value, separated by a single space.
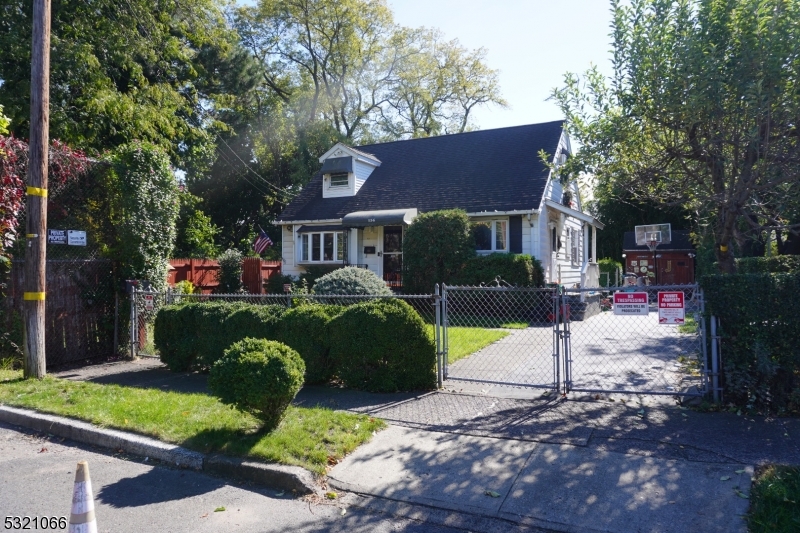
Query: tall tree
pixel 122 71
pixel 701 111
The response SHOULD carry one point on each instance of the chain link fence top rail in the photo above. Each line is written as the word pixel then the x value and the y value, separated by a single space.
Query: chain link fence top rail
pixel 502 336
pixel 147 304
pixel 607 352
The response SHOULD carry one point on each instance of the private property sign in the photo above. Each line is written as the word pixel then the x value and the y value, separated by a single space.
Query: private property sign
pixel 671 309
pixel 631 303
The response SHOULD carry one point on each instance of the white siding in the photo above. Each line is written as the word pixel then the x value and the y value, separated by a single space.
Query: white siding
pixel 362 172
pixel 526 236
pixel 289 261
pixel 338 192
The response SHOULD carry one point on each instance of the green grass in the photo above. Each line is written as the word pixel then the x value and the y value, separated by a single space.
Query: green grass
pixel 466 341
pixel 689 326
pixel 775 501
pixel 485 322
pixel 307 437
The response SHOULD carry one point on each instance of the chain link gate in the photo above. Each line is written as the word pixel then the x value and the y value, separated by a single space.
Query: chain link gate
pixel 610 353
pixel 508 336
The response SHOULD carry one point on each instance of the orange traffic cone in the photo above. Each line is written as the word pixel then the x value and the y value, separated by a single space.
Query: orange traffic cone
pixel 82 519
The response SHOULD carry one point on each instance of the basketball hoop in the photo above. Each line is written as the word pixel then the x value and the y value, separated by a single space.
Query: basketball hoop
pixel 653 245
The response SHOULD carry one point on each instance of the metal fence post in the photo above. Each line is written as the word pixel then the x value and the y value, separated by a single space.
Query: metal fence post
pixel 438 334
pixel 714 359
pixel 445 322
pixel 134 325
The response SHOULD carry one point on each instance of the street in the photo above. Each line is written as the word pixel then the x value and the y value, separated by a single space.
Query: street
pixel 132 495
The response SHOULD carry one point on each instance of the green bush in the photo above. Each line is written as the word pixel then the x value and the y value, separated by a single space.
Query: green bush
pixel 195 335
pixel 352 280
pixel 313 273
pixel 258 376
pixel 759 328
pixel 435 247
pixel 229 274
pixel 275 283
pixel 517 270
pixel 382 346
pixel 776 263
pixel 305 329
pixel 613 269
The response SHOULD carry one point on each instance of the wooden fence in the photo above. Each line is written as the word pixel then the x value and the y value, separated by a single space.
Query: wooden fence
pixel 203 273
pixel 81 313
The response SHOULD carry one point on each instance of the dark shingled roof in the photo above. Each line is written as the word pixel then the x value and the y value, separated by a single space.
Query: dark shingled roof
pixel 680 241
pixel 488 170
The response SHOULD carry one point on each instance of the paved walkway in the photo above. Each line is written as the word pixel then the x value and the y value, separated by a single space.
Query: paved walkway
pixel 582 465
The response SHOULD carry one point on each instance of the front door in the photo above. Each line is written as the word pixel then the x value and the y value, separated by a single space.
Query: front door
pixel 393 256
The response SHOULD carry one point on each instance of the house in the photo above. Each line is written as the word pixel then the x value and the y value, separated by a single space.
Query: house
pixel 356 208
pixel 670 264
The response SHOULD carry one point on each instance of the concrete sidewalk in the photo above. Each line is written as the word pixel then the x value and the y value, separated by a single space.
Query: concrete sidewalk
pixel 580 465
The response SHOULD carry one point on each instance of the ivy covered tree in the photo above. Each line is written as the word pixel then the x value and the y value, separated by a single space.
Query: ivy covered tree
pixel 142 212
pixel 194 232
pixel 701 112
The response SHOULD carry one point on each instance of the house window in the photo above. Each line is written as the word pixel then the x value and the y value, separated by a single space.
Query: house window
pixel 321 247
pixel 491 235
pixel 340 179
pixel 574 246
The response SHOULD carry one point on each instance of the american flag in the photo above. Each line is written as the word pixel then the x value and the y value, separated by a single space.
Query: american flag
pixel 261 242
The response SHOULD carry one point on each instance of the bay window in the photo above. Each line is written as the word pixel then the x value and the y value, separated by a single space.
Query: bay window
pixel 324 246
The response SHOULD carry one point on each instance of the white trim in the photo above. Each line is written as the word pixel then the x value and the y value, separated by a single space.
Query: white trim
pixel 314 221
pixel 352 153
pixel 573 213
pixel 503 213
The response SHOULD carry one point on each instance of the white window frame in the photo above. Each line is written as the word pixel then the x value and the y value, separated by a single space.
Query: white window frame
pixel 344 185
pixel 574 247
pixel 305 243
pixel 493 226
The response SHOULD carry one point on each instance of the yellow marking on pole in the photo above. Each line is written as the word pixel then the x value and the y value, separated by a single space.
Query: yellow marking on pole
pixel 32 235
pixel 35 296
pixel 723 248
pixel 36 191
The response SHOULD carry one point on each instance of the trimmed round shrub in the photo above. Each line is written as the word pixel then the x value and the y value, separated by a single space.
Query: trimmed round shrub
pixel 174 336
pixel 382 346
pixel 260 377
pixel 229 275
pixel 435 247
pixel 351 280
pixel 305 329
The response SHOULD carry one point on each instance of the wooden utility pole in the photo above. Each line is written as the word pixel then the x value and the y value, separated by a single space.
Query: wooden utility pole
pixel 36 226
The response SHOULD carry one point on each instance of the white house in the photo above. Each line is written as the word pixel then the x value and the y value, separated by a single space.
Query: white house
pixel 355 210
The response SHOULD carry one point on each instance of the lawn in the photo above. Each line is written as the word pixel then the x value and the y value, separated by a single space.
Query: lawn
pixel 465 341
pixel 775 501
pixel 307 437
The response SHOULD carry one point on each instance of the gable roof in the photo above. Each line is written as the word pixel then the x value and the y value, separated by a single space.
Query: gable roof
pixel 680 241
pixel 487 170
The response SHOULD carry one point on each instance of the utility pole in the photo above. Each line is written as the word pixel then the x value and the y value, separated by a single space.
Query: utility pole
pixel 36 225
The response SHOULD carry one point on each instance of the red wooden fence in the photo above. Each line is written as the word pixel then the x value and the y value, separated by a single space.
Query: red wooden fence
pixel 203 273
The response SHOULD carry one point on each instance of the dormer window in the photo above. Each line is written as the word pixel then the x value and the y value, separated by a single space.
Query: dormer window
pixel 340 179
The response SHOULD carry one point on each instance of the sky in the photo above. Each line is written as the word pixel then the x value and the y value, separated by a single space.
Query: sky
pixel 532 42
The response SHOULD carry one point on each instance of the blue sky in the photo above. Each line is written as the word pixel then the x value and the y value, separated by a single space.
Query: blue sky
pixel 532 42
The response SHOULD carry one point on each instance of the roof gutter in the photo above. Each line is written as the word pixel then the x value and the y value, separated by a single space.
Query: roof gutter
pixel 504 213
pixel 315 221
pixel 574 213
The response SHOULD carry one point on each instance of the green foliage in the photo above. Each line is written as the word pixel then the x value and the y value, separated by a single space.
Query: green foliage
pixel 10 339
pixel 229 274
pixel 773 500
pixel 275 283
pixel 143 205
pixel 195 335
pixel 259 377
pixel 778 263
pixel 517 270
pixel 305 329
pixel 759 329
pixel 435 247
pixel 4 122
pixel 314 272
pixel 352 280
pixel 184 287
pixel 613 269
pixel 195 231
pixel 382 346
pixel 701 112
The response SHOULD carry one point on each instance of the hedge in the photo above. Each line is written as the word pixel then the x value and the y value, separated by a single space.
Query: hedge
pixel 518 270
pixel 382 346
pixel 759 328
pixel 305 329
pixel 195 335
pixel 776 263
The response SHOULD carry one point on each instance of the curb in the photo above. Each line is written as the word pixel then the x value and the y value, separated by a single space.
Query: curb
pixel 288 478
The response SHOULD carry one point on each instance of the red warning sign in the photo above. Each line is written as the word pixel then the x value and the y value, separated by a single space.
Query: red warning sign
pixel 671 308
pixel 631 303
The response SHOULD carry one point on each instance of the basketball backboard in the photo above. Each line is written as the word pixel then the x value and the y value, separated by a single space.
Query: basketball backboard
pixel 658 233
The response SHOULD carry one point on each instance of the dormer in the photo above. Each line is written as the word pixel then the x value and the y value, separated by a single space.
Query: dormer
pixel 345 170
